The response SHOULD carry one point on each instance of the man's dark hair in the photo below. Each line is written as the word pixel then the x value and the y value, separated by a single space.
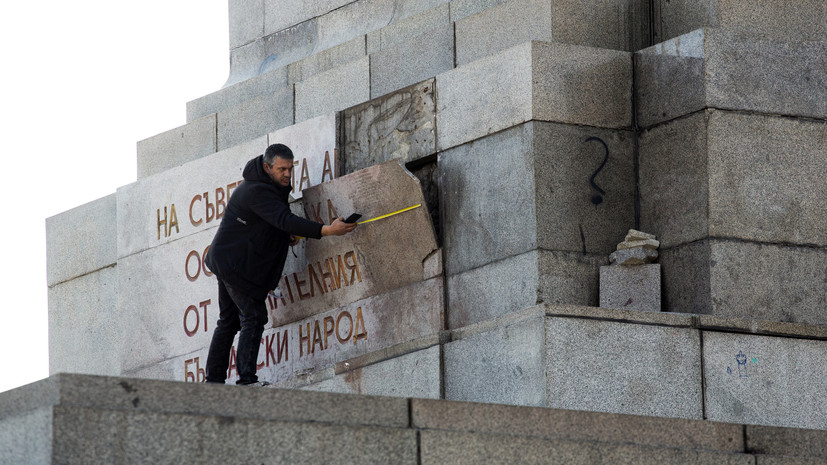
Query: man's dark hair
pixel 277 150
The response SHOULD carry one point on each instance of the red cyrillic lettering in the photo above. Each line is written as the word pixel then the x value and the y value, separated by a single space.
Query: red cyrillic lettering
pixel 192 203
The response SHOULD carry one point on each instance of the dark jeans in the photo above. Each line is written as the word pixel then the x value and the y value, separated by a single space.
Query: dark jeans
pixel 237 311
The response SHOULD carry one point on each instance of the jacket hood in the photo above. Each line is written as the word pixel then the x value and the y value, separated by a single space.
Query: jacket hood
pixel 253 171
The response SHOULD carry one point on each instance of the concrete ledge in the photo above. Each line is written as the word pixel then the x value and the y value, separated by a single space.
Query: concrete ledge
pixel 89 419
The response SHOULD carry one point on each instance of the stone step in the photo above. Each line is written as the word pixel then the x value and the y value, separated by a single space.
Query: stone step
pixel 609 360
pixel 71 419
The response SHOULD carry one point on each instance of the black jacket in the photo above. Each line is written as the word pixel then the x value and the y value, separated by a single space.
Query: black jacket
pixel 250 247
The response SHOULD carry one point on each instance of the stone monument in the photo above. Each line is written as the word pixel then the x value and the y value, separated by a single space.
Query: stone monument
pixel 532 134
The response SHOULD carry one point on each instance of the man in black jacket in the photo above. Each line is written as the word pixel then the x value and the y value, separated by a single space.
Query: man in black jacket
pixel 247 256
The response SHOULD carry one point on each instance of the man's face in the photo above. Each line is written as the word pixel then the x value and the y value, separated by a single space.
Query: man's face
pixel 281 171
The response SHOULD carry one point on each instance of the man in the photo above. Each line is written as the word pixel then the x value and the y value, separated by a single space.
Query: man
pixel 247 256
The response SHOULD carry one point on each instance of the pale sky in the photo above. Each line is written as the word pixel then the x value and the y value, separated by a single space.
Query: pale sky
pixel 81 83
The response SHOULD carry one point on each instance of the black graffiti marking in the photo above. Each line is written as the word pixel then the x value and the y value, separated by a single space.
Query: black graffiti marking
pixel 597 199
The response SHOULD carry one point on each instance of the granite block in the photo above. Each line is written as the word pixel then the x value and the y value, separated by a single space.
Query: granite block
pixel 472 448
pixel 255 118
pixel 333 90
pixel 799 21
pixel 652 370
pixel 766 178
pixel 529 187
pixel 616 25
pixel 674 180
pixel 273 51
pixel 86 331
pixel 401 126
pixel 182 200
pixel 631 287
pixel 177 146
pixel 246 20
pixel 281 14
pixel 727 174
pixel 464 8
pixel 416 374
pixel 501 27
pixel 505 365
pixel 471 297
pixel 410 62
pixel 534 81
pixel 81 240
pixel 364 16
pixel 326 60
pixel 584 187
pixel 236 94
pixel 783 283
pixel 720 68
pixel 576 425
pixel 765 380
pixel 409 29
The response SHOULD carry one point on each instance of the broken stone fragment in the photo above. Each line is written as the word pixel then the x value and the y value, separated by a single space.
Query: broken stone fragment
pixel 635 235
pixel 631 257
pixel 646 244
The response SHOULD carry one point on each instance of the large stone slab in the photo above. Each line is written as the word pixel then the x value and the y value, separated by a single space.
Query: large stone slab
pixel 534 81
pixel 86 332
pixel 81 240
pixel 765 380
pixel 255 118
pixel 233 95
pixel 720 68
pixel 182 200
pixel 325 60
pixel 177 146
pixel 631 287
pixel 377 257
pixel 421 58
pixel 726 174
pixel 532 186
pixel 501 27
pixel 401 126
pixel 502 365
pixel 273 51
pixel 364 16
pixel 616 367
pixel 746 280
pixel 408 29
pixel 799 21
pixel 333 90
pixel 522 281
